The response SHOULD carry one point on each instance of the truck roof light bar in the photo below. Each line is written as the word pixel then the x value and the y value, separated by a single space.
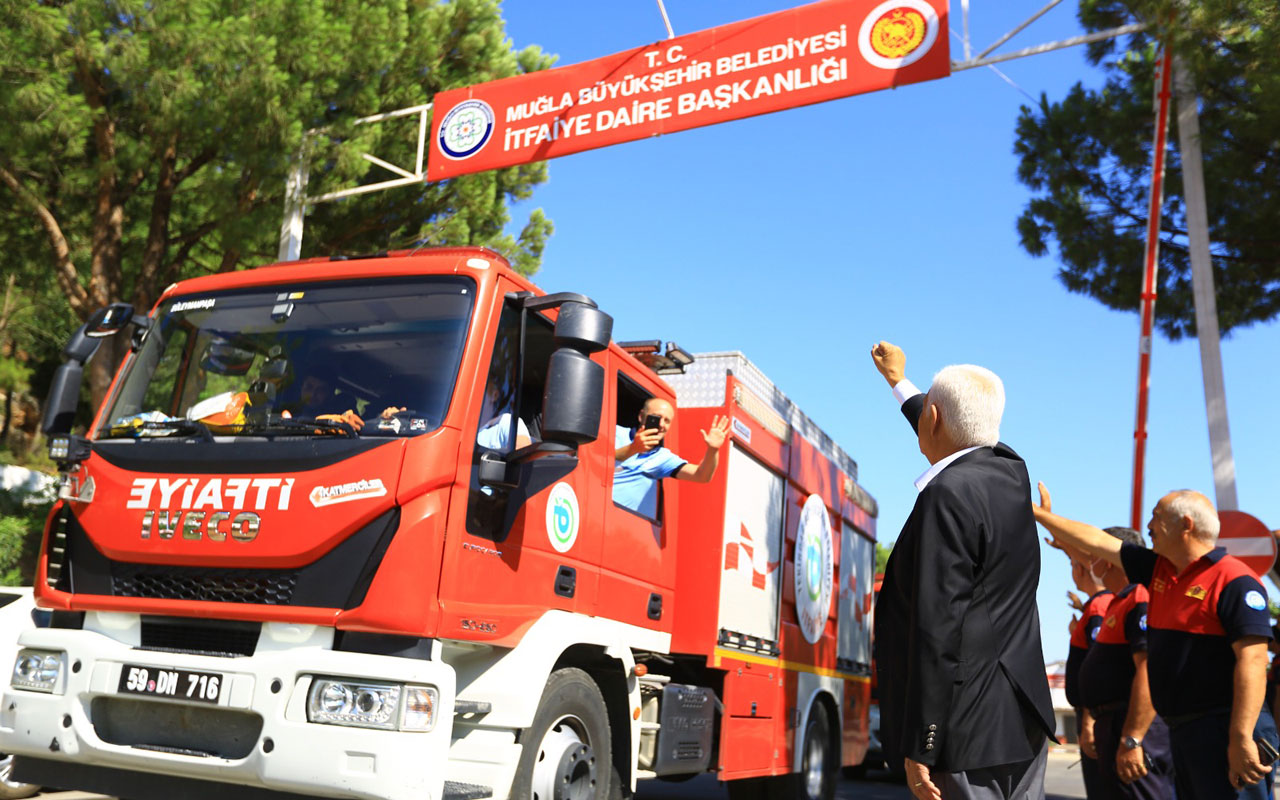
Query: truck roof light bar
pixel 649 352
pixel 379 254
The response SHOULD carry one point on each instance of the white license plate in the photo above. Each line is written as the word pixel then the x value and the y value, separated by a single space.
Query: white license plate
pixel 175 684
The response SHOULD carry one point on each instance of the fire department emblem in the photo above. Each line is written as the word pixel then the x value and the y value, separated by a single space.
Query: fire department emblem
pixel 814 568
pixel 562 517
pixel 897 33
pixel 465 130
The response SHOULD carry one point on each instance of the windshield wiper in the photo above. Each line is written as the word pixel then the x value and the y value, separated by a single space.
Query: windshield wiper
pixel 186 427
pixel 320 427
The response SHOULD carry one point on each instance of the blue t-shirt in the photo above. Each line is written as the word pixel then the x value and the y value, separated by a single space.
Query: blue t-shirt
pixel 497 434
pixel 635 481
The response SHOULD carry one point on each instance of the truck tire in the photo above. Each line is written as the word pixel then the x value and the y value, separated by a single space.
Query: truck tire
pixel 819 761
pixel 816 776
pixel 566 753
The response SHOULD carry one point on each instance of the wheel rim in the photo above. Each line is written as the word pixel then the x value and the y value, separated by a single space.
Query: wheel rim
pixel 565 765
pixel 815 766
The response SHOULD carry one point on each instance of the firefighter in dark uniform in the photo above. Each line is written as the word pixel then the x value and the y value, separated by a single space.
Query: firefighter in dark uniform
pixel 1207 634
pixel 1132 742
pixel 1083 633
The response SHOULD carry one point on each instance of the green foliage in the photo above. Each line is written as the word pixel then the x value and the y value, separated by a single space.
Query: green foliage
pixel 1088 158
pixel 14 376
pixel 147 142
pixel 882 556
pixel 22 518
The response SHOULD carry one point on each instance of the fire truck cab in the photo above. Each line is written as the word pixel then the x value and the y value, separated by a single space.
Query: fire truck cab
pixel 345 528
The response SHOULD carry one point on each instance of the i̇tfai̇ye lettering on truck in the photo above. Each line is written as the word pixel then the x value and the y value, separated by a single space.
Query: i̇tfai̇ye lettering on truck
pixel 344 528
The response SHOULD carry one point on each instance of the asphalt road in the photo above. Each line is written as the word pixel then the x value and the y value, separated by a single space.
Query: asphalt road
pixel 1062 782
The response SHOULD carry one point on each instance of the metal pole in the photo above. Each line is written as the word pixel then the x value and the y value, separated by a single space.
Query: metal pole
pixel 1097 36
pixel 1215 395
pixel 295 205
pixel 1152 263
pixel 1017 30
pixel 665 21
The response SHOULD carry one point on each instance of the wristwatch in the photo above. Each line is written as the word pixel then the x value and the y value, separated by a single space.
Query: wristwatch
pixel 1131 742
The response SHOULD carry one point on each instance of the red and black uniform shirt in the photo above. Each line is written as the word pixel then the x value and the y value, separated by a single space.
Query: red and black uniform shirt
pixel 1192 620
pixel 1106 676
pixel 1082 637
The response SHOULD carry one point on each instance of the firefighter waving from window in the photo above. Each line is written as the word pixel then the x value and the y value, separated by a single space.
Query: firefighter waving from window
pixel 642 460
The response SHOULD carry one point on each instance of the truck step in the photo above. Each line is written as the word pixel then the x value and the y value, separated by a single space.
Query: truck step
pixel 455 790
pixel 471 707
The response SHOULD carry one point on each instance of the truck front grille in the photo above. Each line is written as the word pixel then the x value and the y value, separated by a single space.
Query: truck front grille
pixel 338 579
pixel 209 637
pixel 175 727
pixel 260 586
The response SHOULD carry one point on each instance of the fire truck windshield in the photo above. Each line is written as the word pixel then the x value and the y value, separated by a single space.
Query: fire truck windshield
pixel 265 361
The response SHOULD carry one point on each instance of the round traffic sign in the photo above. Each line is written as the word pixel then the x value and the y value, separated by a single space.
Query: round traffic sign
pixel 1246 538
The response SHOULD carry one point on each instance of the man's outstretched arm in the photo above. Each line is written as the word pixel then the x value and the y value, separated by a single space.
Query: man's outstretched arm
pixel 891 363
pixel 1080 536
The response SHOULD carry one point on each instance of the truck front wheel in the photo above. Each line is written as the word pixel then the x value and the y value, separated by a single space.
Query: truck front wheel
pixel 566 751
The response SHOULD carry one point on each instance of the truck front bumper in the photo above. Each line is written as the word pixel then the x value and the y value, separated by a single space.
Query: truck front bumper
pixel 256 735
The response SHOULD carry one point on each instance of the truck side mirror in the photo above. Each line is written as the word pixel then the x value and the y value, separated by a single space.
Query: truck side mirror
pixel 575 383
pixel 64 396
pixel 64 393
pixel 109 321
pixel 81 347
pixel 584 328
pixel 574 394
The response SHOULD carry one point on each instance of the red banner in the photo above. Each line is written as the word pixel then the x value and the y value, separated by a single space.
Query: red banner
pixel 804 55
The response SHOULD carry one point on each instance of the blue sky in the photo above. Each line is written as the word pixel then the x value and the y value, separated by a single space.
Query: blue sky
pixel 803 237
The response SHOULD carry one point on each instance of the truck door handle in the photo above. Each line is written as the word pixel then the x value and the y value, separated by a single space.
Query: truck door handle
pixel 566 581
pixel 655 606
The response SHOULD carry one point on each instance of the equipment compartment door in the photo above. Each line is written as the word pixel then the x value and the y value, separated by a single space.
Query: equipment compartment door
pixel 857 561
pixel 750 583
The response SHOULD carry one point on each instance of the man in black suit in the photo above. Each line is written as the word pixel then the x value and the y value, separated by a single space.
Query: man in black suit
pixel 964 697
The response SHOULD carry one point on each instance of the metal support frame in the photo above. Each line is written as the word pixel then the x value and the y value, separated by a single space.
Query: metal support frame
pixel 982 60
pixel 666 20
pixel 1111 33
pixel 296 200
pixel 1206 305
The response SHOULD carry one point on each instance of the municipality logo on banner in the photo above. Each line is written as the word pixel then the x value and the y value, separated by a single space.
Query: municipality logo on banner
pixel 897 33
pixel 466 129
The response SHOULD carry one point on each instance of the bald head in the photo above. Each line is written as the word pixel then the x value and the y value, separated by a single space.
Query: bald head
pixel 1185 505
pixel 656 405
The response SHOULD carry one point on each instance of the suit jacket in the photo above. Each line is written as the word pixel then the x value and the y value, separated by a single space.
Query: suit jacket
pixel 957 635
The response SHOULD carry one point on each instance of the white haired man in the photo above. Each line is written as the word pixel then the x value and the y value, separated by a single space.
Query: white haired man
pixel 1207 633
pixel 963 695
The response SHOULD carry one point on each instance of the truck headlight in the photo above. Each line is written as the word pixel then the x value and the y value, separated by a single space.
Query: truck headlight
pixel 37 670
pixel 367 704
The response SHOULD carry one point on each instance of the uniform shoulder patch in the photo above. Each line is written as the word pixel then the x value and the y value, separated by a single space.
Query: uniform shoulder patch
pixel 1255 600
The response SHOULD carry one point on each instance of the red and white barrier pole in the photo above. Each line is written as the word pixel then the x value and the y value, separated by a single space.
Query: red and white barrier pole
pixel 1159 149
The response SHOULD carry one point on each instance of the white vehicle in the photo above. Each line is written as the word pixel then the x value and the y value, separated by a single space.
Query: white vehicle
pixel 16 605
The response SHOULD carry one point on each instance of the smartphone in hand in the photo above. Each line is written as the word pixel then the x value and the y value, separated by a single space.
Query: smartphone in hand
pixel 1267 753
pixel 652 421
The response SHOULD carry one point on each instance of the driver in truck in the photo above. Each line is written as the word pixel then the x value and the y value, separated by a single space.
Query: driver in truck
pixel 317 393
pixel 642 460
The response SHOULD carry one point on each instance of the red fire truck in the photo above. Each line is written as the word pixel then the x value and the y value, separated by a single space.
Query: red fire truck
pixel 249 594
